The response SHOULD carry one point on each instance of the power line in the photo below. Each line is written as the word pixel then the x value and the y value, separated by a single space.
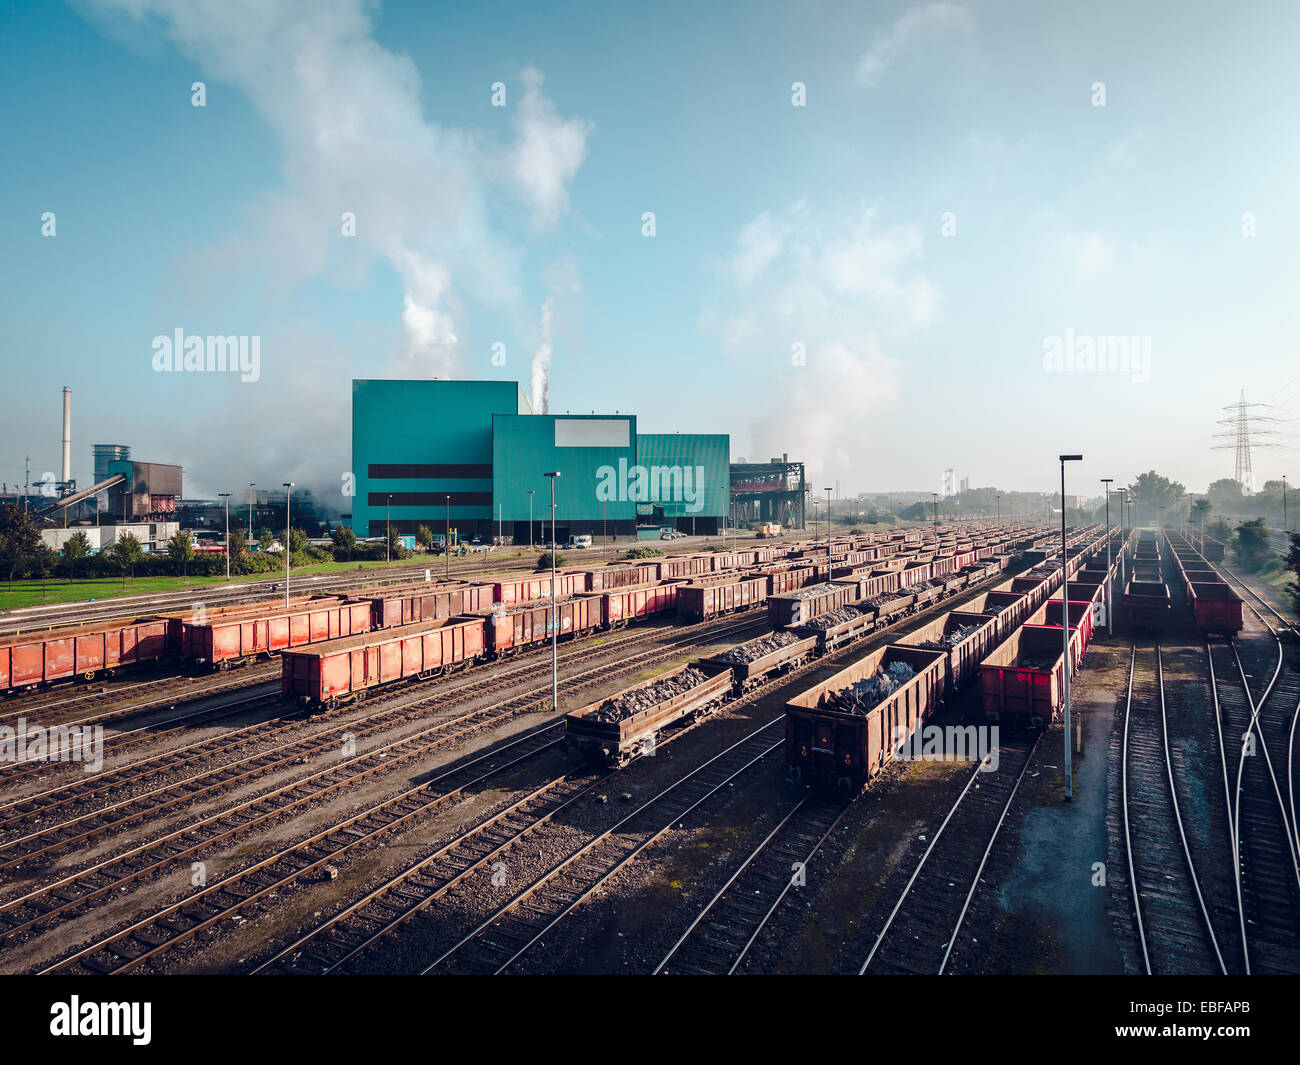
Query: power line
pixel 1244 431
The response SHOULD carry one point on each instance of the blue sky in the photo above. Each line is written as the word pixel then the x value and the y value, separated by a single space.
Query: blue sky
pixel 799 291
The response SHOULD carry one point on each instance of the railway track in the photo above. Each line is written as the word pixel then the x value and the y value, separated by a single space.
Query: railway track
pixel 719 938
pixel 1172 920
pixel 920 932
pixel 60 899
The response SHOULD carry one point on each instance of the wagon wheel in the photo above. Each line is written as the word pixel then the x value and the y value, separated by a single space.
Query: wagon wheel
pixel 88 675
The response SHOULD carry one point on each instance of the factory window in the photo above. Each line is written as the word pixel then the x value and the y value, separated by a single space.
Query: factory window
pixel 430 499
pixel 413 470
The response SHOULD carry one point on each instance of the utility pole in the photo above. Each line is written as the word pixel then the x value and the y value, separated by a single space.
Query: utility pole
pixel 1065 633
pixel 555 626
pixel 446 552
pixel 828 531
pixel 226 497
pixel 530 520
pixel 388 534
pixel 251 486
pixel 1109 587
pixel 288 536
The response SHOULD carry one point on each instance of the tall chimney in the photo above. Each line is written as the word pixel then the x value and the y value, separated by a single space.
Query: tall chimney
pixel 67 434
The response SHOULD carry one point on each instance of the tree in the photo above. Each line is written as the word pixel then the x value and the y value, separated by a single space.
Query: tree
pixel 18 540
pixel 1251 545
pixel 544 560
pixel 1150 492
pixel 265 540
pixel 297 541
pixel 346 540
pixel 126 552
pixel 43 562
pixel 238 543
pixel 75 549
pixel 424 537
pixel 1293 563
pixel 1219 530
pixel 180 549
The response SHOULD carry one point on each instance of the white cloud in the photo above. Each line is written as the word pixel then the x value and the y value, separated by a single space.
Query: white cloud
pixel 843 289
pixel 548 150
pixel 1089 255
pixel 917 25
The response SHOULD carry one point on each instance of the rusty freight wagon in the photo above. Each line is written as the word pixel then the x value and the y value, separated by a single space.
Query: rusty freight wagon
pixel 619 727
pixel 1022 681
pixel 338 671
pixel 789 579
pixel 842 732
pixel 1216 608
pixel 698 602
pixel 1147 606
pixel 426 601
pixel 837 627
pixel 223 641
pixel 607 577
pixel 29 660
pixel 619 606
pixel 1049 616
pixel 966 639
pixel 513 590
pixel 805 604
pixel 180 634
pixel 754 661
pixel 516 628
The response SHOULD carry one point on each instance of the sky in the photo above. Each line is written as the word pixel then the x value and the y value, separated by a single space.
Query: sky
pixel 882 238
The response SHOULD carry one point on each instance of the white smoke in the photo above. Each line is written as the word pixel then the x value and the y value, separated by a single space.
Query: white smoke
pixel 542 362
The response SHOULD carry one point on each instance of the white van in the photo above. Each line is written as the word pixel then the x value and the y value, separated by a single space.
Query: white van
pixel 579 542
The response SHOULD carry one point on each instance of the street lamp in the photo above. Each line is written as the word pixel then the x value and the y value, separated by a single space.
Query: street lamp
pixel 828 530
pixel 226 497
pixel 531 493
pixel 388 532
pixel 604 529
pixel 1286 528
pixel 1109 589
pixel 251 486
pixel 446 545
pixel 555 628
pixel 1065 628
pixel 288 488
pixel 999 511
pixel 1123 567
pixel 934 497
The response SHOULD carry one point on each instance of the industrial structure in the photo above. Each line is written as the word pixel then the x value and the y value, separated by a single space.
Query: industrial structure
pixel 471 458
pixel 774 491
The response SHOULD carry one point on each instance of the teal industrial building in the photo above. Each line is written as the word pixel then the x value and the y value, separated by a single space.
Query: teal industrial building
pixel 473 457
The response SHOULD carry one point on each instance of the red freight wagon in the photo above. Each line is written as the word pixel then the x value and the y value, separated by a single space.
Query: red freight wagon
pixel 1215 608
pixel 522 626
pixel 1035 589
pixel 835 750
pixel 779 582
pixel 1009 608
pixel 914 573
pixel 31 659
pixel 1049 616
pixel 697 601
pixel 338 671
pixel 225 641
pixel 622 605
pixel 1022 682
pixel 804 605
pixel 537 586
pixel 1147 606
pixel 407 604
pixel 179 631
pixel 687 566
pixel 607 577
pixel 964 637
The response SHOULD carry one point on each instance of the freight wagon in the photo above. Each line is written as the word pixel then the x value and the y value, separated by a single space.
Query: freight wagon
pixel 28 660
pixel 805 604
pixel 619 727
pixel 1147 606
pixel 698 602
pixel 1048 616
pixel 512 629
pixel 1022 682
pixel 840 626
pixel 753 662
pixel 607 577
pixel 784 581
pixel 833 749
pixel 179 623
pixel 235 638
pixel 537 586
pixel 966 639
pixel 622 605
pixel 407 604
pixel 339 671
pixel 1216 608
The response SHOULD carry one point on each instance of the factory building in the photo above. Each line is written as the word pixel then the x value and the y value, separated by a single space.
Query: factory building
pixel 473 456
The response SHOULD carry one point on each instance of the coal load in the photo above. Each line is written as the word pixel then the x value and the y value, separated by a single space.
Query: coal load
pixel 1043 662
pixel 876 602
pixel 831 618
pixel 863 696
pixel 811 590
pixel 756 649
pixel 949 640
pixel 633 702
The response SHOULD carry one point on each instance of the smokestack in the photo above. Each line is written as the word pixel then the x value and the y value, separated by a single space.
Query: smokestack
pixel 67 434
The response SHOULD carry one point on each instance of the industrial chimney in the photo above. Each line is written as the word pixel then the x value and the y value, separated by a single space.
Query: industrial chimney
pixel 67 434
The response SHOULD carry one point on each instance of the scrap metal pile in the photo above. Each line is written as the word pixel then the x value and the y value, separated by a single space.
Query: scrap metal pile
pixel 1038 661
pixel 949 640
pixel 755 649
pixel 638 699
pixel 833 617
pixel 811 590
pixel 862 696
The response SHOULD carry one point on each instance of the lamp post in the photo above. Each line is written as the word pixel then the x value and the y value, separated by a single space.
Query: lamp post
pixel 531 493
pixel 226 497
pixel 288 488
pixel 1123 568
pixel 446 545
pixel 1065 630
pixel 999 511
pixel 934 498
pixel 388 532
pixel 1286 528
pixel 604 529
pixel 555 629
pixel 828 530
pixel 251 486
pixel 1109 588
